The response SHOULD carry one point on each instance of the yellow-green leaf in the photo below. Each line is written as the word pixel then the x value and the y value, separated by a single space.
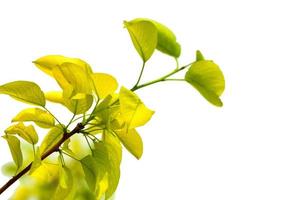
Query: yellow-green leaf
pixel 105 84
pixel 28 133
pixel 206 77
pixel 72 79
pixel 133 110
pixel 65 183
pixel 132 141
pixel 36 162
pixel 41 117
pixel 47 63
pixel 91 170
pixel 144 37
pixel 77 106
pixel 199 56
pixel 51 139
pixel 166 39
pixel 15 149
pixel 24 91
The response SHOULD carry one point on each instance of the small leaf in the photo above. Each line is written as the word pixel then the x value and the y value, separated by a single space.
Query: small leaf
pixel 15 149
pixel 77 106
pixel 133 110
pixel 132 141
pixel 52 138
pixel 36 162
pixel 105 84
pixel 24 91
pixel 144 37
pixel 28 133
pixel 41 117
pixel 199 56
pixel 47 63
pixel 207 78
pixel 166 39
pixel 9 169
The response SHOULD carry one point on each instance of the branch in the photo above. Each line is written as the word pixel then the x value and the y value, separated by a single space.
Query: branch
pixel 55 148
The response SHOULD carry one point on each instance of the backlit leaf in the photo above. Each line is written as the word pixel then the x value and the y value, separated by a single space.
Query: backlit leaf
pixel 15 149
pixel 208 79
pixel 91 171
pixel 52 138
pixel 24 91
pixel 133 110
pixel 105 84
pixel 41 117
pixel 65 184
pixel 166 39
pixel 132 141
pixel 36 162
pixel 144 37
pixel 28 133
pixel 47 63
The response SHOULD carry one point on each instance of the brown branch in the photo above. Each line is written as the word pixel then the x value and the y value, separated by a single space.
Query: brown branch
pixel 55 148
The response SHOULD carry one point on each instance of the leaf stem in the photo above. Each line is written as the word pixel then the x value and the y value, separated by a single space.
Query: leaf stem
pixel 163 78
pixel 70 156
pixel 140 76
pixel 54 117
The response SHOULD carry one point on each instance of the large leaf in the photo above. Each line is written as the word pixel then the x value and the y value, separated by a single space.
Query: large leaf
pixel 15 149
pixel 91 170
pixel 72 79
pixel 144 37
pixel 133 110
pixel 166 39
pixel 132 141
pixel 208 79
pixel 41 117
pixel 105 84
pixel 28 133
pixel 78 104
pixel 51 139
pixel 47 63
pixel 24 91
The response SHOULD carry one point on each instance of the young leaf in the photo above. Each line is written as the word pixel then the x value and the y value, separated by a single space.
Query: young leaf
pixel 36 162
pixel 47 63
pixel 52 138
pixel 15 149
pixel 132 141
pixel 105 84
pixel 144 37
pixel 133 110
pixel 199 56
pixel 41 117
pixel 28 133
pixel 166 39
pixel 24 91
pixel 207 78
pixel 76 106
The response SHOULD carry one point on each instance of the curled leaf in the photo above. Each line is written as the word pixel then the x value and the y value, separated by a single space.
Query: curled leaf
pixel 28 133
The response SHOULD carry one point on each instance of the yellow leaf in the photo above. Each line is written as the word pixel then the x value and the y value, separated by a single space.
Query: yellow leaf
pixel 132 141
pixel 47 63
pixel 52 138
pixel 28 133
pixel 36 162
pixel 105 84
pixel 133 110
pixel 24 91
pixel 41 117
pixel 15 149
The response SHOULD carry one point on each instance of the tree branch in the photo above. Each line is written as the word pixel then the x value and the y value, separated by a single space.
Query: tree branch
pixel 55 148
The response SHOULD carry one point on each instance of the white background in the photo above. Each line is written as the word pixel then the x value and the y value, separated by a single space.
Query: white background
pixel 249 149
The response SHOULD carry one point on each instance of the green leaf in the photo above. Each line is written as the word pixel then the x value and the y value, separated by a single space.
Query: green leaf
pixel 24 91
pixel 132 141
pixel 199 56
pixel 47 63
pixel 41 117
pixel 52 138
pixel 9 169
pixel 105 84
pixel 91 171
pixel 65 183
pixel 207 78
pixel 28 133
pixel 15 149
pixel 166 39
pixel 76 106
pixel 36 162
pixel 144 37
pixel 133 110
